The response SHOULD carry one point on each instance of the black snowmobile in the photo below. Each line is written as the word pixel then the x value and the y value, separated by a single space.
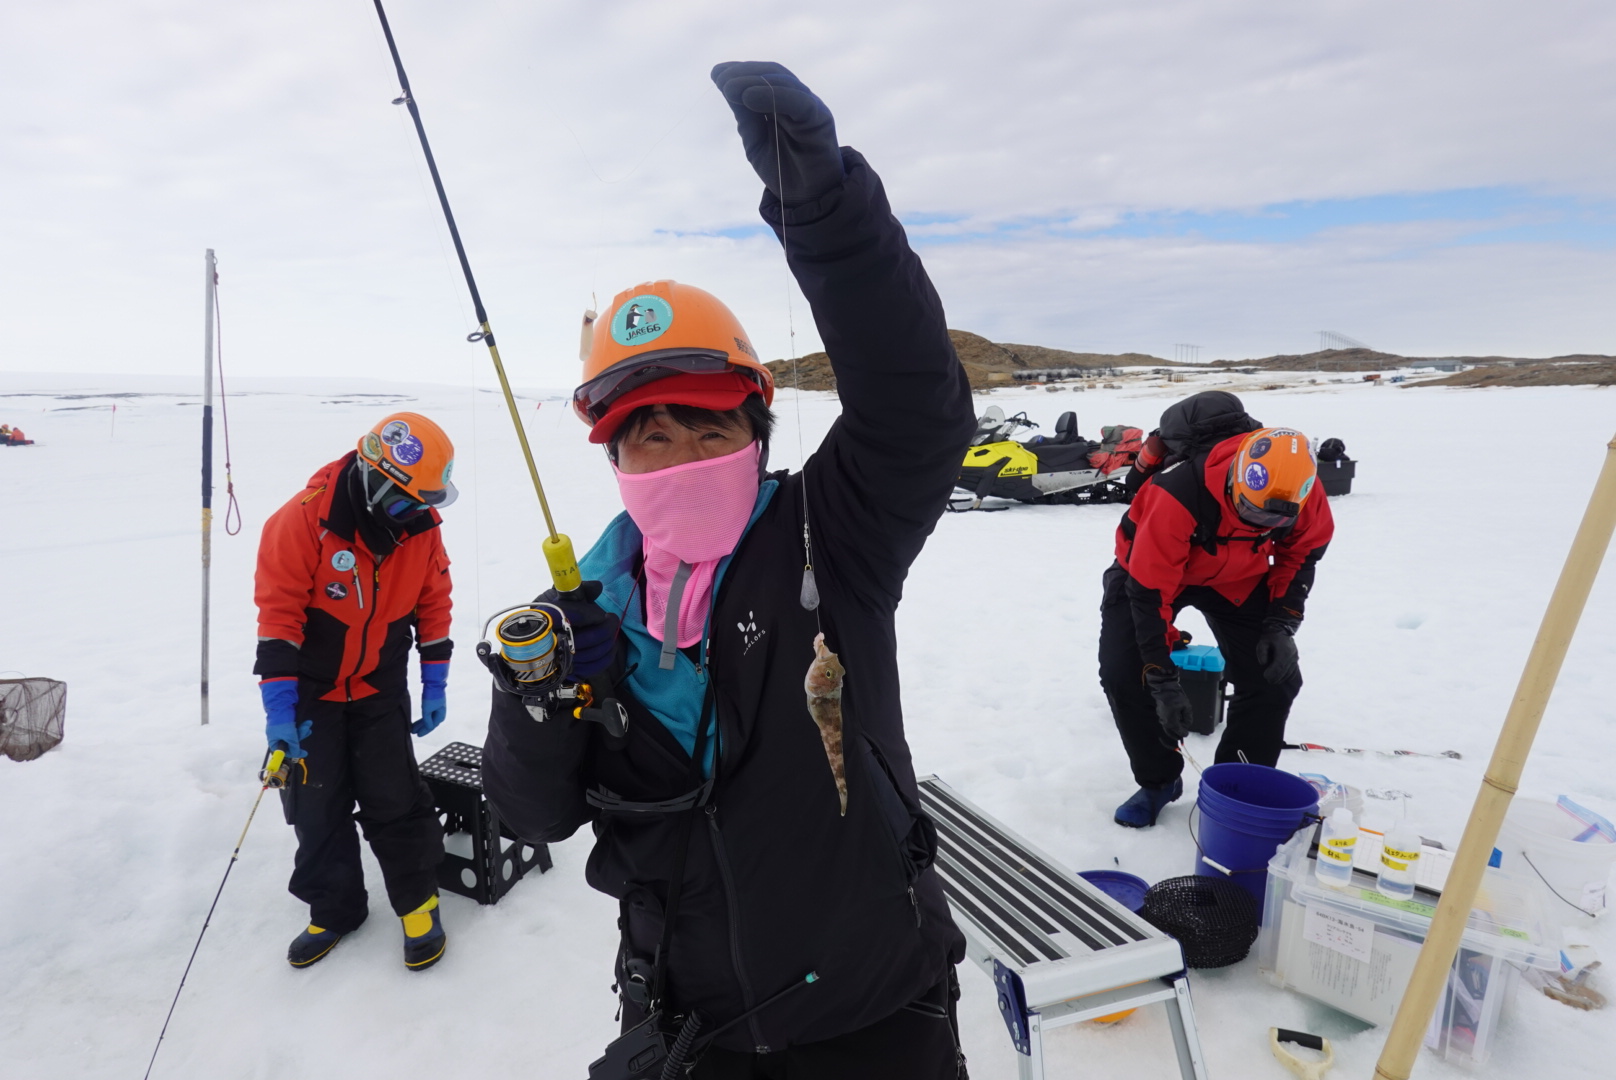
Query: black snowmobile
pixel 1051 470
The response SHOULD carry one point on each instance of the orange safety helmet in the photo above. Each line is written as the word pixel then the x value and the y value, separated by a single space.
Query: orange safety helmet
pixel 1271 477
pixel 413 453
pixel 664 343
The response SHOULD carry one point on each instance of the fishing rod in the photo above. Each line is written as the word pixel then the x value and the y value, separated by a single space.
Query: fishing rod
pixel 557 547
pixel 275 774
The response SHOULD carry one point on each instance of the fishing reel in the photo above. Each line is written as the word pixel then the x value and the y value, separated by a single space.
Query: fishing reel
pixel 529 650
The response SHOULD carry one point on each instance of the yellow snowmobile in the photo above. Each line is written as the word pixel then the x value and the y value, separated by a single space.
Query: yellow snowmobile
pixel 1058 469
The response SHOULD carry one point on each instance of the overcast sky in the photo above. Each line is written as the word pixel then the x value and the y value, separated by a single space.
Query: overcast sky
pixel 1109 175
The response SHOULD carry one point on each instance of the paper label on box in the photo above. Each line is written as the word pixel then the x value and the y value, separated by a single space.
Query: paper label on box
pixel 1348 935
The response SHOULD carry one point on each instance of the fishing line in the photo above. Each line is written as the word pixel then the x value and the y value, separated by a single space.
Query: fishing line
pixel 513 33
pixel 809 597
pixel 274 774
pixel 643 157
pixel 458 304
pixel 556 547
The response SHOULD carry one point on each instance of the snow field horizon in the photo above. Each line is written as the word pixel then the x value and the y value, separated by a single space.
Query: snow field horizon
pixel 1425 607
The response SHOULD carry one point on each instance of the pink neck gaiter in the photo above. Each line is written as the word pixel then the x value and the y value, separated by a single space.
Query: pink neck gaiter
pixel 691 516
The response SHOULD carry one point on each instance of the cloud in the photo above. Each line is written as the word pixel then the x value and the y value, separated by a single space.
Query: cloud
pixel 1222 169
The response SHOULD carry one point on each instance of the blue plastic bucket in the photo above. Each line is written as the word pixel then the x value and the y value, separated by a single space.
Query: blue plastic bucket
pixel 1126 889
pixel 1246 812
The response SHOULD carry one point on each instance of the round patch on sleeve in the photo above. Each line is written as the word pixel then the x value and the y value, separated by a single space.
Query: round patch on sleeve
pixel 642 318
pixel 1256 477
pixel 409 451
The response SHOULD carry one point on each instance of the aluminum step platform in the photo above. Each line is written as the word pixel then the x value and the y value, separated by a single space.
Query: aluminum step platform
pixel 1058 949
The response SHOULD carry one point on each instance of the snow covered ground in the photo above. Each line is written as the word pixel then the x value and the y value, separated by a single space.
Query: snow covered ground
pixel 113 844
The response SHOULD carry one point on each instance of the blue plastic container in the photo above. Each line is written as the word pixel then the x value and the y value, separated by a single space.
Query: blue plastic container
pixel 1198 658
pixel 1246 812
pixel 1126 889
pixel 1200 672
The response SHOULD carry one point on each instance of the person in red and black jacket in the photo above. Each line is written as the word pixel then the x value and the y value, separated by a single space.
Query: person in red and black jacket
pixel 349 572
pixel 1227 522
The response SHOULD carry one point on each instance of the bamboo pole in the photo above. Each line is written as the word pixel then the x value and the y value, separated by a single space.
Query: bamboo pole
pixel 1503 775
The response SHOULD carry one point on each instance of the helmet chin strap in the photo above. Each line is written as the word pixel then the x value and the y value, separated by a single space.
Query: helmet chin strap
pixel 373 501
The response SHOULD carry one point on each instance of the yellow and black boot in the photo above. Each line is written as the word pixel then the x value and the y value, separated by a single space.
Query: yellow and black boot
pixel 311 945
pixel 424 939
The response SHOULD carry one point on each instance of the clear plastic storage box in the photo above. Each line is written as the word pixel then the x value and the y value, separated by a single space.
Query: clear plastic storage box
pixel 1354 949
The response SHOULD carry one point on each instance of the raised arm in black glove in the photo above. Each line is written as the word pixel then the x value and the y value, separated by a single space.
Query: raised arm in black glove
pixel 1172 704
pixel 788 133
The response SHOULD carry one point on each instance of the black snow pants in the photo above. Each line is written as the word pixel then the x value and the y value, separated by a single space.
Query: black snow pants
pixel 359 752
pixel 918 1042
pixel 1257 712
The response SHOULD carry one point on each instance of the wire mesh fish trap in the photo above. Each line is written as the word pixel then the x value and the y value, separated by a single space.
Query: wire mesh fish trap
pixel 32 715
pixel 1214 920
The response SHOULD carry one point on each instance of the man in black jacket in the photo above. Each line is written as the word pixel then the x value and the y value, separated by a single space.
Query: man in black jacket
pixel 723 801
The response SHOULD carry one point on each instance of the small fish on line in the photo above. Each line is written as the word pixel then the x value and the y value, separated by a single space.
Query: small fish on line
pixel 824 687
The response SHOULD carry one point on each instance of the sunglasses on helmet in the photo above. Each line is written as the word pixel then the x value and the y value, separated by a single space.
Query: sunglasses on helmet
pixel 1272 514
pixel 596 396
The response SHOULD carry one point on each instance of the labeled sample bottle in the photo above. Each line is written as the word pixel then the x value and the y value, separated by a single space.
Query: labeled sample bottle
pixel 1399 861
pixel 1338 841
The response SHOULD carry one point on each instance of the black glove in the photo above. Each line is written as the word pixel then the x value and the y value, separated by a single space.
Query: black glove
pixel 768 100
pixel 594 630
pixel 1276 652
pixel 1172 704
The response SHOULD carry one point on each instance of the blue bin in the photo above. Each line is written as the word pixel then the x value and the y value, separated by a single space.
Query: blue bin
pixel 1246 813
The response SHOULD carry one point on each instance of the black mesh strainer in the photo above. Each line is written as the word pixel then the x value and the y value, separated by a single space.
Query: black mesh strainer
pixel 1214 920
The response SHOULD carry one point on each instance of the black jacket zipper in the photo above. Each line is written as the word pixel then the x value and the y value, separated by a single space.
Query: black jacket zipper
pixel 364 631
pixel 734 926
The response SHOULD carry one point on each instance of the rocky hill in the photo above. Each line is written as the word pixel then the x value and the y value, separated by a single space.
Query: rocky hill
pixel 986 363
pixel 989 364
pixel 1571 370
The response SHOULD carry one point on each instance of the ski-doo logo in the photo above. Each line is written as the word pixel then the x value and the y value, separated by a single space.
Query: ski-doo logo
pixel 643 318
pixel 750 634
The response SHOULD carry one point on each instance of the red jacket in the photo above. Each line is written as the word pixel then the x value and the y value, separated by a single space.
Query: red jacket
pixel 330 611
pixel 1181 530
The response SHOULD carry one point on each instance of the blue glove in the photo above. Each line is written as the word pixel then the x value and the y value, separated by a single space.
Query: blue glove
pixel 280 708
pixel 434 696
pixel 594 630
